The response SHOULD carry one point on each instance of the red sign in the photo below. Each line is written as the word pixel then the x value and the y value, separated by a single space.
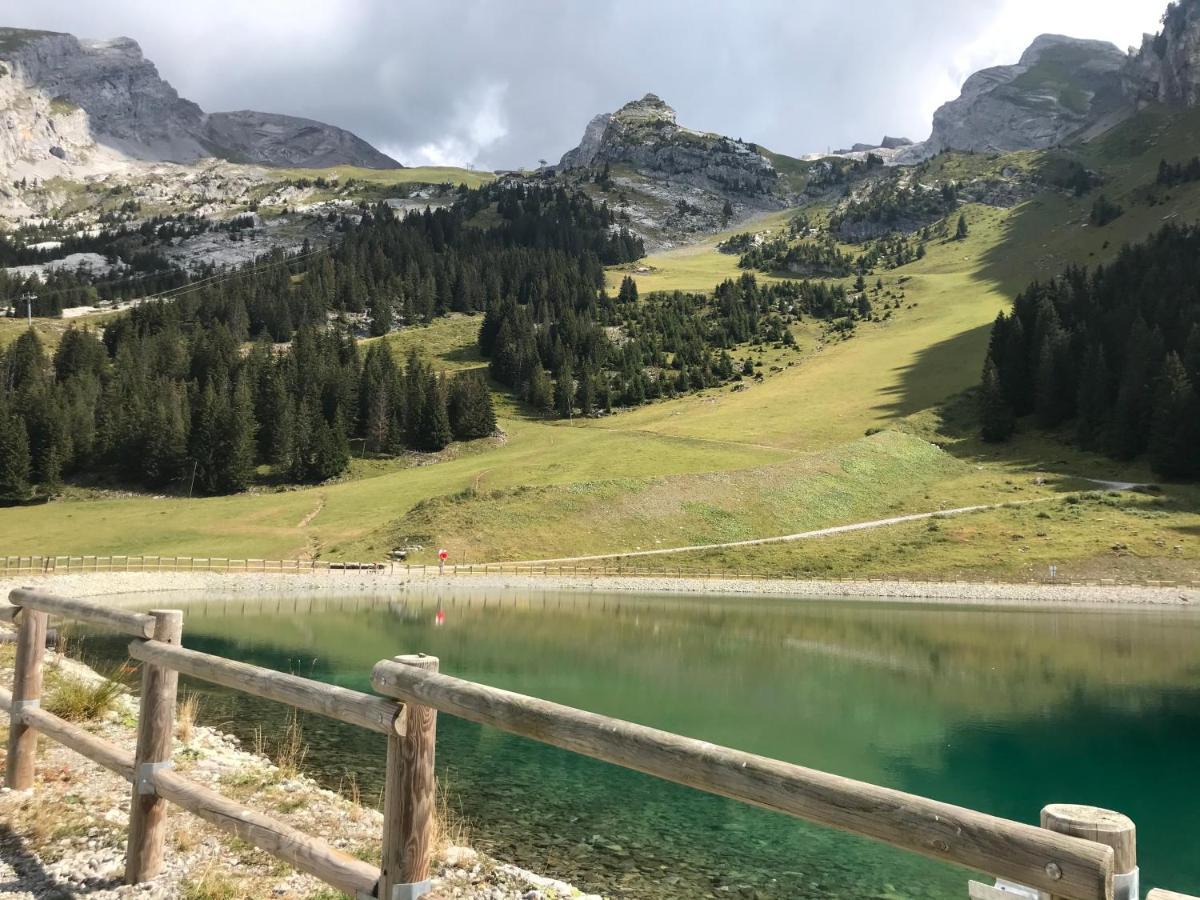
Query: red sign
pixel 442 554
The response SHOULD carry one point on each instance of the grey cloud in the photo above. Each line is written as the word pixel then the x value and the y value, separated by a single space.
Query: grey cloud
pixel 502 84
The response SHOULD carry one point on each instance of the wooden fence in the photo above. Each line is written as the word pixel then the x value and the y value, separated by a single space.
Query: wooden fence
pixel 1078 853
pixel 48 565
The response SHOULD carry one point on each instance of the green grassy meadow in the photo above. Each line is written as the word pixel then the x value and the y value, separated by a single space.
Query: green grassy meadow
pixel 787 454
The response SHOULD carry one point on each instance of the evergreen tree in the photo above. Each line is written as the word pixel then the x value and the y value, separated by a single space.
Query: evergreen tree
pixel 236 442
pixel 995 415
pixel 14 457
pixel 961 232
pixel 540 393
pixel 469 406
pixel 435 432
pixel 564 391
pixel 1092 406
pixel 1174 446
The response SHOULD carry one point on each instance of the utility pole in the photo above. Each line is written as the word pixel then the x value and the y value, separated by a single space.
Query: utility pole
pixel 29 297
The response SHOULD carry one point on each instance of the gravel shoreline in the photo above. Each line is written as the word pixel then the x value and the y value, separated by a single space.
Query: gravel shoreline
pixel 365 583
pixel 67 837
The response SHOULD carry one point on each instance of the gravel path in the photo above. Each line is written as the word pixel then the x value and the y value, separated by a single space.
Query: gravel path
pixel 364 583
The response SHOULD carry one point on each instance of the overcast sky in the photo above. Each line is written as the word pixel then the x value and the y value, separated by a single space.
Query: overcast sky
pixel 502 83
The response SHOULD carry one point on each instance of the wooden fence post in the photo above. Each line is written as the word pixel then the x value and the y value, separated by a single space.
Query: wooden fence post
pixel 409 796
pixel 27 691
pixel 156 731
pixel 1104 827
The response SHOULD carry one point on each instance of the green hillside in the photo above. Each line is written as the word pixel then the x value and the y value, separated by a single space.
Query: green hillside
pixel 784 454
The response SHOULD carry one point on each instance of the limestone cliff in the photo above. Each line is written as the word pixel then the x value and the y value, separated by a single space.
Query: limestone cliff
pixel 71 106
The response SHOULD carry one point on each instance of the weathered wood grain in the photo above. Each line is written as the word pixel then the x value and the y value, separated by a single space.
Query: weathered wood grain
pixel 308 854
pixel 27 686
pixel 82 742
pixel 1059 864
pixel 137 624
pixel 345 705
pixel 409 793
pixel 156 731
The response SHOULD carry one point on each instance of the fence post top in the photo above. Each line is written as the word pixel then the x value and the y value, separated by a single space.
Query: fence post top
pixel 418 660
pixel 1091 817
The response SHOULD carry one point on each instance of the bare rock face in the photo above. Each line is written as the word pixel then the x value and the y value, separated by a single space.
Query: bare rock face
pixel 1060 88
pixel 1167 68
pixel 644 134
pixel 276 140
pixel 585 154
pixel 77 104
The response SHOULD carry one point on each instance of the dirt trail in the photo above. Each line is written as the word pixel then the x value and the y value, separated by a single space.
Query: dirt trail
pixel 801 536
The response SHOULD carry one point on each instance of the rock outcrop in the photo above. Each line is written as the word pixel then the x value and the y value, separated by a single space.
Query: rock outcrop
pixel 585 154
pixel 1167 68
pixel 68 104
pixel 1060 88
pixel 645 135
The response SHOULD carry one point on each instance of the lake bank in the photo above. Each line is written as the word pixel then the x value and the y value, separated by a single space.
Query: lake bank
pixel 365 583
pixel 67 836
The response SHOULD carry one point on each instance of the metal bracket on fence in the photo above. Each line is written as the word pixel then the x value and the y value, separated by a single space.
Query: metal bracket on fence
pixel 411 891
pixel 1126 886
pixel 145 776
pixel 19 706
pixel 1003 890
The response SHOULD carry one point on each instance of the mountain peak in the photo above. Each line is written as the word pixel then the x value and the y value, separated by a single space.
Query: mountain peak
pixel 651 108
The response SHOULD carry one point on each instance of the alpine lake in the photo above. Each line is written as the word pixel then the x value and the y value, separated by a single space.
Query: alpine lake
pixel 1002 710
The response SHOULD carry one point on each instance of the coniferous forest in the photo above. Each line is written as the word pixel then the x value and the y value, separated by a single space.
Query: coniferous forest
pixel 1113 352
pixel 254 367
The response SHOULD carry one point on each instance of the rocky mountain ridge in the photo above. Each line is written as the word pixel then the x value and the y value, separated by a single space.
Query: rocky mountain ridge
pixel 645 135
pixel 75 107
pixel 1065 89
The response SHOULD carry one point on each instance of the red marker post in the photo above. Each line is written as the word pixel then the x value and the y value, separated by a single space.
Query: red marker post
pixel 443 555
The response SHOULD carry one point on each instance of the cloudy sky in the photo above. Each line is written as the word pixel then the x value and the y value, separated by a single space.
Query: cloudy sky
pixel 502 83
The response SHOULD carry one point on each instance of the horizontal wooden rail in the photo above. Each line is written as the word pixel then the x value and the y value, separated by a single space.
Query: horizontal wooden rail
pixel 137 624
pixel 9 613
pixel 1160 894
pixel 305 853
pixel 343 704
pixel 308 854
pixel 1063 866
pixel 72 737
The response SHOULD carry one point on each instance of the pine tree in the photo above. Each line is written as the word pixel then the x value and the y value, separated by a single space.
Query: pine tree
pixel 1175 430
pixel 995 415
pixel 236 442
pixel 469 406
pixel 435 433
pixel 1094 400
pixel 540 392
pixel 14 457
pixel 564 391
pixel 961 232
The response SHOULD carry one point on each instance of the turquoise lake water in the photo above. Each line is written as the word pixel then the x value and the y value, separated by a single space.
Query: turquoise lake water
pixel 999 710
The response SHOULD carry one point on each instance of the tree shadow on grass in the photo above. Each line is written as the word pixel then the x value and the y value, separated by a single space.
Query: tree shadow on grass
pixel 936 373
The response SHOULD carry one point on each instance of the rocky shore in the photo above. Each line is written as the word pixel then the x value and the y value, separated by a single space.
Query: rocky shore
pixel 66 838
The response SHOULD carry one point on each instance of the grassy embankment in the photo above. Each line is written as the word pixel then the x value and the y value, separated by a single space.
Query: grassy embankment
pixel 785 455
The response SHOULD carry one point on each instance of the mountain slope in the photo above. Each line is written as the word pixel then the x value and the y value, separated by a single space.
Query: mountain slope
pixel 72 106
